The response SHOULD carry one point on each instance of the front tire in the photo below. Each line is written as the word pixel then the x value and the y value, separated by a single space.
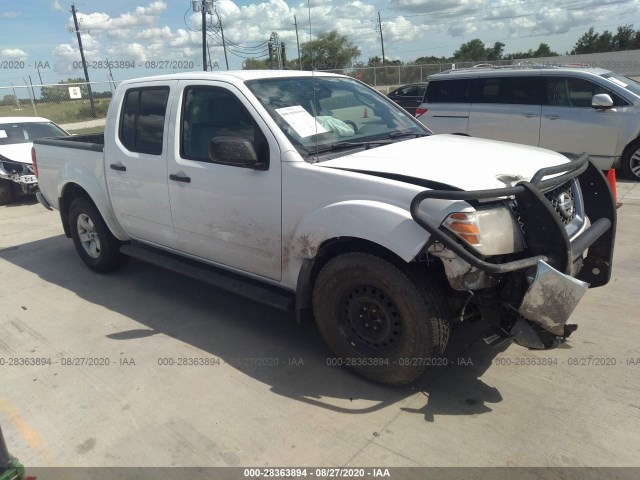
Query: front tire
pixel 94 242
pixel 379 322
pixel 631 162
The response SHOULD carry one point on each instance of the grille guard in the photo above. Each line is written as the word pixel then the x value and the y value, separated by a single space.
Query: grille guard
pixel 546 236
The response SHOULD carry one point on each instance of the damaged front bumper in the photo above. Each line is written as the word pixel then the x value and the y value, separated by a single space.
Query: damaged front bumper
pixel 19 173
pixel 531 295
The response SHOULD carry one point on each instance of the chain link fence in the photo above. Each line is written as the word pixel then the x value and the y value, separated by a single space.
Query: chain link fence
pixel 67 104
pixel 388 78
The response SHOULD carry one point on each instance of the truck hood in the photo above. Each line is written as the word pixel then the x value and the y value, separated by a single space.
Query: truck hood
pixel 18 152
pixel 461 162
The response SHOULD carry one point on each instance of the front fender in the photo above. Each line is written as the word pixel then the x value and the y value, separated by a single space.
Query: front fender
pixel 386 225
pixel 90 181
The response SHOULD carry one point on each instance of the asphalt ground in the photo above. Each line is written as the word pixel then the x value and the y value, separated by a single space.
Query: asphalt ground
pixel 143 367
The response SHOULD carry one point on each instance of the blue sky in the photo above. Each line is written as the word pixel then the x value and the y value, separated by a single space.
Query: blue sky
pixel 39 33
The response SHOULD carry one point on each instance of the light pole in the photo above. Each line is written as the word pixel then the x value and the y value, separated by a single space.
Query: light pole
pixel 204 6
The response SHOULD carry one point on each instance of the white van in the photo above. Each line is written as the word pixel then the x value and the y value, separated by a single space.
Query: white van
pixel 566 109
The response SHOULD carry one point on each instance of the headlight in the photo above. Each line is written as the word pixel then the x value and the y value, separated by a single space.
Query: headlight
pixel 492 231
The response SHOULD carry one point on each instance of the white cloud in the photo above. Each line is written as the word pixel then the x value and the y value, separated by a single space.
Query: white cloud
pixel 10 14
pixel 56 6
pixel 139 33
pixel 13 54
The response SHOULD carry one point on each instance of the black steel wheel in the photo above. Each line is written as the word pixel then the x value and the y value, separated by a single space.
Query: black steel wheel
pixel 379 321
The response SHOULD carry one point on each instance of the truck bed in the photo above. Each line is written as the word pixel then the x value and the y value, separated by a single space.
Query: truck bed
pixel 89 141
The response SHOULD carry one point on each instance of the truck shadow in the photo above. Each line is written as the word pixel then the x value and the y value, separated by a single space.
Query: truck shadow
pixel 240 332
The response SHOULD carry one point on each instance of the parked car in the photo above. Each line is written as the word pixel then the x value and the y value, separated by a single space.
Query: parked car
pixel 566 109
pixel 409 97
pixel 272 184
pixel 16 172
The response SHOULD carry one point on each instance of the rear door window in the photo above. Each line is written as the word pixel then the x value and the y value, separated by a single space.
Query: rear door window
pixel 508 90
pixel 448 91
pixel 142 119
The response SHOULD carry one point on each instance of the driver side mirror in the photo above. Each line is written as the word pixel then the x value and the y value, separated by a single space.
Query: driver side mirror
pixel 234 151
pixel 602 101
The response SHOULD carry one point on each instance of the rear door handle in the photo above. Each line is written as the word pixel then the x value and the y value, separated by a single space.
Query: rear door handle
pixel 529 115
pixel 552 117
pixel 180 178
pixel 118 166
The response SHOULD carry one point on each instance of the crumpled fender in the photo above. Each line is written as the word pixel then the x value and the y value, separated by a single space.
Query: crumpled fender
pixel 386 225
pixel 89 181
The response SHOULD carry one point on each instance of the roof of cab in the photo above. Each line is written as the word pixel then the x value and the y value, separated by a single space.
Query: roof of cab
pixel 233 75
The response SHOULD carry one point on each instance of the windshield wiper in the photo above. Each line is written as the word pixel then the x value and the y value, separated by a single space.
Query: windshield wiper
pixel 407 134
pixel 367 144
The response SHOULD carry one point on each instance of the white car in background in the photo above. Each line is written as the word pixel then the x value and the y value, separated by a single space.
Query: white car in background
pixel 16 171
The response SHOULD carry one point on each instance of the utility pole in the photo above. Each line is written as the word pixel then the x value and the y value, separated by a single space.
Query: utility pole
pixel 295 22
pixel 203 6
pixel 224 45
pixel 84 63
pixel 111 74
pixel 381 40
pixel 283 56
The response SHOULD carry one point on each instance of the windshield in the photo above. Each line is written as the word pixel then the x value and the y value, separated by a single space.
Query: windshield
pixel 19 132
pixel 325 113
pixel 624 82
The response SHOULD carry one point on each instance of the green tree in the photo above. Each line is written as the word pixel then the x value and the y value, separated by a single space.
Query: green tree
pixel 495 53
pixel 9 100
pixel 255 64
pixel 544 51
pixel 430 60
pixel 60 92
pixel 586 43
pixel 473 50
pixel 329 51
pixel 624 38
pixel 604 43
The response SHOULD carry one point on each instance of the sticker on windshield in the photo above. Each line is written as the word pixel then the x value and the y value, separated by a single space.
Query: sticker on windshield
pixel 3 134
pixel 301 121
pixel 618 82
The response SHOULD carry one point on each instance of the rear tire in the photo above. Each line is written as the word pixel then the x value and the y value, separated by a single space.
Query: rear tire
pixel 94 242
pixel 6 191
pixel 378 321
pixel 631 162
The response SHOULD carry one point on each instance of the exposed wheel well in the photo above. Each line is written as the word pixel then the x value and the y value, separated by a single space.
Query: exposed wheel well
pixel 330 249
pixel 70 192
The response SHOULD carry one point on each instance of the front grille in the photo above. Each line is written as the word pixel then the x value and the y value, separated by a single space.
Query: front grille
pixel 563 201
pixel 566 202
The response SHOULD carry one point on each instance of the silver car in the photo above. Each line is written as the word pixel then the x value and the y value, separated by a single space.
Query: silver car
pixel 566 109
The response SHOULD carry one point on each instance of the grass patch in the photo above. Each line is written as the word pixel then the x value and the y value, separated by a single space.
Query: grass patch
pixel 70 111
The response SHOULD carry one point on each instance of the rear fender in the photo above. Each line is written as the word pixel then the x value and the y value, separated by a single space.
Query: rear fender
pixel 88 180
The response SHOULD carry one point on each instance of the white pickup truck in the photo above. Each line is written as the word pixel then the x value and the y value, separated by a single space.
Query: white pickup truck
pixel 314 193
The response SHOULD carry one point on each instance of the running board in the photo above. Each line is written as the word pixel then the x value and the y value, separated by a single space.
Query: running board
pixel 230 282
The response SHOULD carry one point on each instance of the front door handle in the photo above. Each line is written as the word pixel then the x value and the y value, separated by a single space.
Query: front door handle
pixel 552 117
pixel 118 166
pixel 529 115
pixel 180 178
